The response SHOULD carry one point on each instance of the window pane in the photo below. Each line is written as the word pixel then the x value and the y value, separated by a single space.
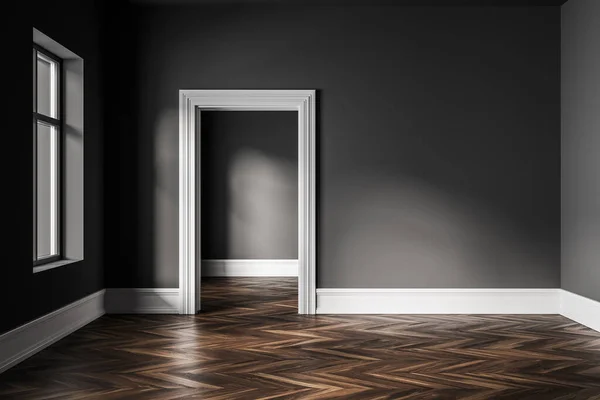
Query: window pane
pixel 34 79
pixel 47 85
pixel 47 190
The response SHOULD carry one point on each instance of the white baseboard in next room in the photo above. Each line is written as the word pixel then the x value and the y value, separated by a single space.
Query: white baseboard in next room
pixel 265 268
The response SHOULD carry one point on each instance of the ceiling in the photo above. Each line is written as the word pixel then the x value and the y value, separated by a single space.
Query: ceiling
pixel 449 3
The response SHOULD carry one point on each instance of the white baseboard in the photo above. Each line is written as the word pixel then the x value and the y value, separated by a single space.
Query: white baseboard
pixel 580 309
pixel 438 301
pixel 213 268
pixel 142 301
pixel 28 339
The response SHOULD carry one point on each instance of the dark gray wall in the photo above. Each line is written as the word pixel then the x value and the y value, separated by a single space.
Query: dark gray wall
pixel 581 147
pixel 25 296
pixel 438 135
pixel 249 184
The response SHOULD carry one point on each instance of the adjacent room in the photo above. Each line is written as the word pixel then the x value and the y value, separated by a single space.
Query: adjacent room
pixel 305 199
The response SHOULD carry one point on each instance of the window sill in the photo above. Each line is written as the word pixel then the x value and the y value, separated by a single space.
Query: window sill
pixel 52 265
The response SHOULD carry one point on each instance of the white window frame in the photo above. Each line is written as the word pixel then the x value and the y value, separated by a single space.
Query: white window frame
pixel 71 192
pixel 54 121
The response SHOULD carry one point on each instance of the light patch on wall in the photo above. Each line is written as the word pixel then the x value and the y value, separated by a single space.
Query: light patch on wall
pixel 412 230
pixel 166 200
pixel 263 195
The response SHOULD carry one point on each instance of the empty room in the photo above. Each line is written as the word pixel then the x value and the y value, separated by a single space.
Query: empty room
pixel 304 199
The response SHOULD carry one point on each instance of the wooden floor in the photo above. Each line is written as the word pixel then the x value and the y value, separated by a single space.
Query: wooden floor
pixel 249 343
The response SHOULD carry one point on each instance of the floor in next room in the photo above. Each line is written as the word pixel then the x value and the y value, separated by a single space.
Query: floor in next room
pixel 249 343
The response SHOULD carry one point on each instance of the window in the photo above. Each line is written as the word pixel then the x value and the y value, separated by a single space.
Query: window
pixel 58 155
pixel 47 133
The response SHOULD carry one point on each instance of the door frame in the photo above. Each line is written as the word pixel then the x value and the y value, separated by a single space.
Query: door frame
pixel 192 101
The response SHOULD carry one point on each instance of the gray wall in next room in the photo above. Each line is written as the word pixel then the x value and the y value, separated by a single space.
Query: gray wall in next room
pixel 581 147
pixel 438 135
pixel 249 180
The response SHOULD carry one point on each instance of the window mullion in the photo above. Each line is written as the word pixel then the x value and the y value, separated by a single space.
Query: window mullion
pixel 34 80
pixel 46 119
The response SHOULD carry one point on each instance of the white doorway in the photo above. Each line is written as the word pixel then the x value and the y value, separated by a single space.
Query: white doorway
pixel 192 102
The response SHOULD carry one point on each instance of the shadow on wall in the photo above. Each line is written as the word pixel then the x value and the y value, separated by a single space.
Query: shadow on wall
pixel 262 215
pixel 416 230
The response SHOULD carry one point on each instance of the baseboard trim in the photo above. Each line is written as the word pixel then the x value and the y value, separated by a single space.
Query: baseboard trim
pixel 265 268
pixel 34 336
pixel 28 339
pixel 580 309
pixel 438 301
pixel 142 301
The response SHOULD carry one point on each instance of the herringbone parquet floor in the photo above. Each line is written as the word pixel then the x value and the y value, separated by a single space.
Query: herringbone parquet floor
pixel 249 343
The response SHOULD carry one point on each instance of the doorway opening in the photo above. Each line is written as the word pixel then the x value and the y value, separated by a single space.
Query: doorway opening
pixel 192 104
pixel 248 210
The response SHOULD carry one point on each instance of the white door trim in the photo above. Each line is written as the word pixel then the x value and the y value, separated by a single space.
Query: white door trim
pixel 190 101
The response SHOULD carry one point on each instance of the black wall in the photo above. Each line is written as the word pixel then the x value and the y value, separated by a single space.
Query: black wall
pixel 438 135
pixel 26 296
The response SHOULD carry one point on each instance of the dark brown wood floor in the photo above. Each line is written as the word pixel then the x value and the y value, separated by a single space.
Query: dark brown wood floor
pixel 249 343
